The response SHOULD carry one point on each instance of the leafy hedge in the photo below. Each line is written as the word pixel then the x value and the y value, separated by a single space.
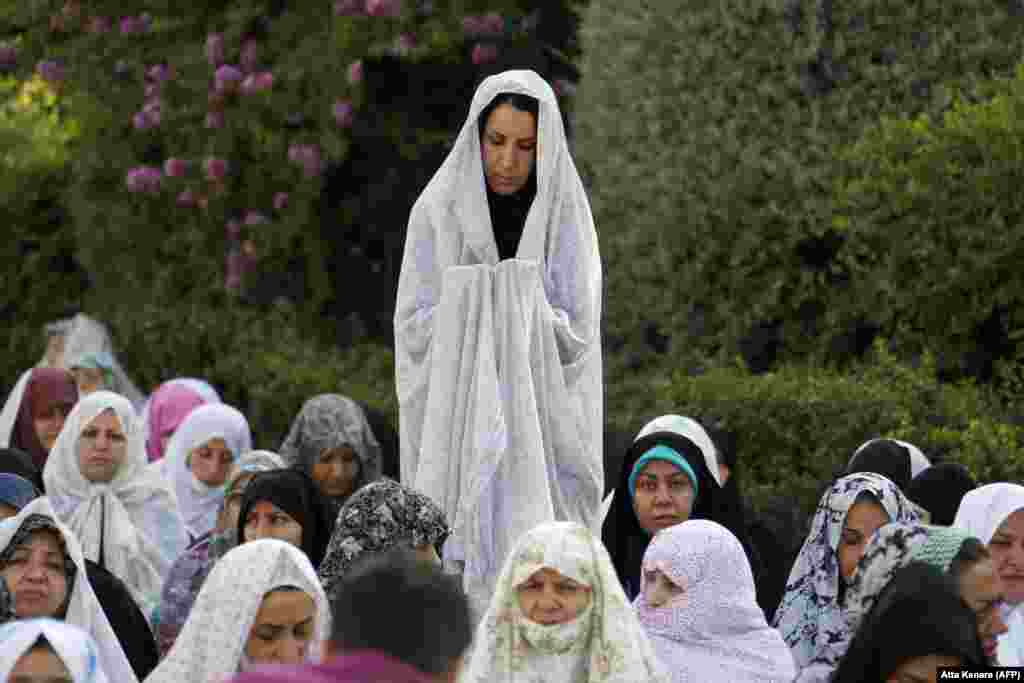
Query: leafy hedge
pixel 932 210
pixel 711 138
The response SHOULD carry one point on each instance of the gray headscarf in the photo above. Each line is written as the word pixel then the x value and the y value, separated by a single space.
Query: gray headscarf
pixel 332 421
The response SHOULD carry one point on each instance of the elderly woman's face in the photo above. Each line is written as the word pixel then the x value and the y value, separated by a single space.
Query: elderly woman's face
pixel 335 472
pixel 509 147
pixel 549 598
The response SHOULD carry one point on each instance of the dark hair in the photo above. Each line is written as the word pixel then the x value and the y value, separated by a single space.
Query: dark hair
pixel 971 552
pixel 403 607
pixel 521 102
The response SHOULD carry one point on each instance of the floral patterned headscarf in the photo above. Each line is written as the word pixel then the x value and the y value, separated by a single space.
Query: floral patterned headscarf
pixel 605 643
pixel 377 518
pixel 810 615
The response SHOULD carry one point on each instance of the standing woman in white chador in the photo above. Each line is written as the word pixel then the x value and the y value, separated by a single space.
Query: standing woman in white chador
pixel 497 333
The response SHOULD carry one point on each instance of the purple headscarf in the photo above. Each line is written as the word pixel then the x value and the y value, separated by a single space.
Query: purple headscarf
pixel 359 667
pixel 168 408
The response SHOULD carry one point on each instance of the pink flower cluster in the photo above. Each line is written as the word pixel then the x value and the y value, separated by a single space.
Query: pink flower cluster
pixel 483 26
pixel 484 53
pixel 50 71
pixel 8 57
pixel 130 25
pixel 227 79
pixel 257 82
pixel 99 25
pixel 144 179
pixel 349 8
pixel 216 169
pixel 343 113
pixel 355 72
pixel 384 8
pixel 215 49
pixel 306 156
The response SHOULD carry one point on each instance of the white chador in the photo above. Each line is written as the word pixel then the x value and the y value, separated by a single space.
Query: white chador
pixel 499 363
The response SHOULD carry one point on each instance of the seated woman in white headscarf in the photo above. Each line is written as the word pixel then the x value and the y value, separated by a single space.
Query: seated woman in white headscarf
pixel 331 441
pixel 198 460
pixel 189 571
pixel 261 604
pixel 497 333
pixel 42 566
pixel 994 514
pixel 559 615
pixel 122 511
pixel 854 508
pixel 698 605
pixel 48 651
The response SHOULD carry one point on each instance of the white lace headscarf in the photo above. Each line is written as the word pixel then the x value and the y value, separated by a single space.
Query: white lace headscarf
pixel 142 530
pixel 605 643
pixel 211 646
pixel 198 502
pixel 72 645
pixel 83 609
pixel 714 630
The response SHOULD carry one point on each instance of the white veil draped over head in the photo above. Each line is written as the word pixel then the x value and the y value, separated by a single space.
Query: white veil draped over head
pixel 72 645
pixel 134 518
pixel 88 338
pixel 212 643
pixel 498 363
pixel 83 608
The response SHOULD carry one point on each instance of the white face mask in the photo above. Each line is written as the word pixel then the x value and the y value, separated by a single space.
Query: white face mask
pixel 552 639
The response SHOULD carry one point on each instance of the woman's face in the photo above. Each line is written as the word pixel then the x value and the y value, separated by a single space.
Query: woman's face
pixel 1007 549
pixel 863 519
pixel 509 147
pixel 663 496
pixel 88 380
pixel 35 576
pixel 336 471
pixel 427 553
pixel 102 446
pixel 922 669
pixel 283 629
pixel 548 597
pixel 40 665
pixel 211 462
pixel 982 591
pixel 48 423
pixel 266 520
pixel 659 589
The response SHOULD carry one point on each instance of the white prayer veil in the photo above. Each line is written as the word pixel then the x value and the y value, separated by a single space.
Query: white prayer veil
pixel 198 502
pixel 89 337
pixel 142 530
pixel 9 414
pixel 83 609
pixel 72 645
pixel 212 643
pixel 714 629
pixel 609 644
pixel 498 364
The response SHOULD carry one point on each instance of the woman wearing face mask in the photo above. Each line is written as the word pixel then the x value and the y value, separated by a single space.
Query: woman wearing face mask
pixel 122 511
pixel 35 412
pixel 951 551
pixel 698 606
pixel 199 459
pixel 261 604
pixel 917 625
pixel 286 505
pixel 669 475
pixel 48 651
pixel 559 615
pixel 377 518
pixel 190 570
pixel 994 514
pixel 854 508
pixel 497 332
pixel 331 441
pixel 42 566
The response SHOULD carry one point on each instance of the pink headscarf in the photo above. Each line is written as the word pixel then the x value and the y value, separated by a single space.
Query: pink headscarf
pixel 357 667
pixel 168 408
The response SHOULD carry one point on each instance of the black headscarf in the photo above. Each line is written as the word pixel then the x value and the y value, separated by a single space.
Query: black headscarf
pixel 627 541
pixel 296 494
pixel 885 457
pixel 939 490
pixel 16 461
pixel 918 614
